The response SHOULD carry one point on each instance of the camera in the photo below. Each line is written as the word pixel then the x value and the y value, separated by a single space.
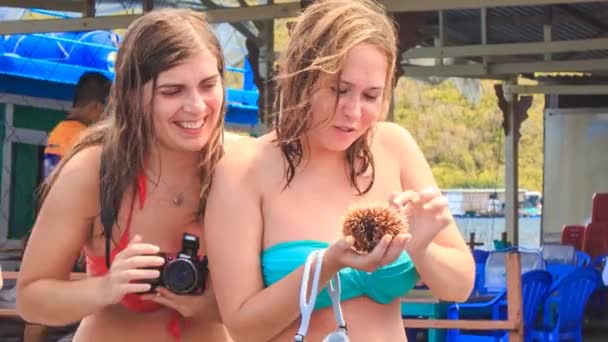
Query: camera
pixel 183 273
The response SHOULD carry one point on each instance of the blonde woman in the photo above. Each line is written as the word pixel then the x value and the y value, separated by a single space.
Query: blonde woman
pixel 280 198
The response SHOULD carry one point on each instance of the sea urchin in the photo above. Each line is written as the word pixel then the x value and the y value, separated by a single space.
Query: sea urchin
pixel 368 225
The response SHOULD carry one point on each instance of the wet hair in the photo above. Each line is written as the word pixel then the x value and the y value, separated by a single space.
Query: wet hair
pixel 320 41
pixel 153 43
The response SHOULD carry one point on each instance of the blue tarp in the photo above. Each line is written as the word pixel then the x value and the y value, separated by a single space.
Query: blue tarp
pixel 49 65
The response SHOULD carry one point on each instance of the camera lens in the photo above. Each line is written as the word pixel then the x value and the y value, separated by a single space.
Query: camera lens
pixel 180 276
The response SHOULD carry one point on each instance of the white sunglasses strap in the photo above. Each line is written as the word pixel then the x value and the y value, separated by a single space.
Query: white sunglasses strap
pixel 307 307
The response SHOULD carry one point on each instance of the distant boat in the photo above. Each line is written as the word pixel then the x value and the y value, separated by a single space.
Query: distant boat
pixel 488 202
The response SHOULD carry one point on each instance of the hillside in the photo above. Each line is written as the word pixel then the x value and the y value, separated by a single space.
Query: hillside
pixel 463 142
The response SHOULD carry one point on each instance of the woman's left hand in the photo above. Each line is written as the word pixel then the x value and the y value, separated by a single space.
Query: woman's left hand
pixel 427 213
pixel 187 305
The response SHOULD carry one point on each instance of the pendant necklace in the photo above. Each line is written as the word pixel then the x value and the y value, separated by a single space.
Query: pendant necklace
pixel 179 198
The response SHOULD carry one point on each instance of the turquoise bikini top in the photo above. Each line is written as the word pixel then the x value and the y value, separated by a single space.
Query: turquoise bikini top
pixel 383 286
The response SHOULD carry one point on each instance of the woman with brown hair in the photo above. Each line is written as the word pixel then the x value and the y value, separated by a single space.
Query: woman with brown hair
pixel 147 169
pixel 277 203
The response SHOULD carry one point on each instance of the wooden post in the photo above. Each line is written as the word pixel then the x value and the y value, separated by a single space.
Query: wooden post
pixel 505 239
pixel 515 111
pixel 514 300
pixel 472 243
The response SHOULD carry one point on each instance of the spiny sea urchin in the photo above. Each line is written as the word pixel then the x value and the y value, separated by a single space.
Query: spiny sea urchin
pixel 368 225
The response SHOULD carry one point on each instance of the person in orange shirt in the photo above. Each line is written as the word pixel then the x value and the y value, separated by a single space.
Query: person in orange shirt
pixel 88 105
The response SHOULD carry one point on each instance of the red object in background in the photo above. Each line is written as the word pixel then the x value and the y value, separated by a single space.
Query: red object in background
pixel 573 234
pixel 595 242
pixel 599 208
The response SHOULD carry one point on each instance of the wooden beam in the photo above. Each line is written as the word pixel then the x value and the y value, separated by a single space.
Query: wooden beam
pixel 533 48
pixel 260 12
pixel 239 26
pixel 147 5
pixel 236 14
pixel 12 275
pixel 470 22
pixel 514 297
pixel 439 5
pixel 502 69
pixel 458 324
pixel 559 89
pixel 65 25
pixel 88 8
pixel 56 5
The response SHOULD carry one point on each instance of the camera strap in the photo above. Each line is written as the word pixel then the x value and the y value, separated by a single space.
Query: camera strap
pixel 108 210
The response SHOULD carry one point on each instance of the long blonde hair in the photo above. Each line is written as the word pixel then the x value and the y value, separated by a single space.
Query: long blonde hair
pixel 319 44
pixel 153 43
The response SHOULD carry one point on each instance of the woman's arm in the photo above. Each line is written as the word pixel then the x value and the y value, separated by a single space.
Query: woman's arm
pixel 233 237
pixel 45 294
pixel 443 258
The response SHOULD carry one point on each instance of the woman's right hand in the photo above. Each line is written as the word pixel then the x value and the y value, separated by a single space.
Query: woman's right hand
pixel 342 254
pixel 127 272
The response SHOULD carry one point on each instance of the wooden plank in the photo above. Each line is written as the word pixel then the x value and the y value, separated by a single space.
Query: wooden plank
pixel 439 5
pixel 508 49
pixel 514 300
pixel 10 313
pixel 219 15
pixel 11 275
pixel 56 5
pixel 458 324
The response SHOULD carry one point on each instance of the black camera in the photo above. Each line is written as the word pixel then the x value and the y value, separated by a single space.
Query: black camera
pixel 183 273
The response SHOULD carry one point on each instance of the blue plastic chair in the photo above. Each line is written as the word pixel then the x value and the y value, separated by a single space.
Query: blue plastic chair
pixel 565 305
pixel 582 259
pixel 560 259
pixel 535 286
pixel 597 305
pixel 495 273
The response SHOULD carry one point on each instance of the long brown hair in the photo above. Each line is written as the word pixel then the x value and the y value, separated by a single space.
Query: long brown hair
pixel 319 44
pixel 153 43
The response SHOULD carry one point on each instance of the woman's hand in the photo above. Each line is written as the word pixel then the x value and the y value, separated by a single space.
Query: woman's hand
pixel 187 305
pixel 127 272
pixel 427 213
pixel 342 254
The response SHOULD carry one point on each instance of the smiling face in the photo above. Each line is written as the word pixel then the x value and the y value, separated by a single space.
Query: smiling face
pixel 186 103
pixel 343 110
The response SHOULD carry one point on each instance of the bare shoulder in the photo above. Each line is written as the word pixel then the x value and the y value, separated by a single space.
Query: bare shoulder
pixel 393 137
pixel 252 159
pixel 415 171
pixel 78 180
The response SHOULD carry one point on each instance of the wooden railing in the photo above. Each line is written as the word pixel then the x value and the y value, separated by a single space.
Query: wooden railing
pixel 514 322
